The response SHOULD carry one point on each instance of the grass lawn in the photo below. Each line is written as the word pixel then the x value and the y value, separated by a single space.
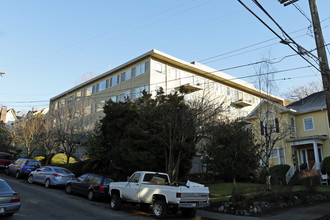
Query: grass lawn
pixel 222 191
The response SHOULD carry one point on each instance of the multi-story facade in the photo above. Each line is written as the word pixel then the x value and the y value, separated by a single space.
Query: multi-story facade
pixel 154 70
pixel 305 123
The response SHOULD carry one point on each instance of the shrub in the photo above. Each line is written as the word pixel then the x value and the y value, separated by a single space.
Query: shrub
pixel 326 165
pixel 61 159
pixel 278 173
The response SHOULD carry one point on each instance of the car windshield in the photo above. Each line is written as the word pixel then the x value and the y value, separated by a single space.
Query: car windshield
pixel 4 187
pixel 58 170
pixel 107 181
pixel 33 163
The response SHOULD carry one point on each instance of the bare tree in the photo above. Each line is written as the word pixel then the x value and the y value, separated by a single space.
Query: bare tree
pixel 268 124
pixel 25 130
pixel 68 124
pixel 300 92
pixel 46 138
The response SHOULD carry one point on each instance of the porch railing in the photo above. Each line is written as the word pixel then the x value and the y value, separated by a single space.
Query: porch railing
pixel 289 174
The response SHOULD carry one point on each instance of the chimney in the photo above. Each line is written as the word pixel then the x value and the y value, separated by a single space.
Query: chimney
pixel 3 114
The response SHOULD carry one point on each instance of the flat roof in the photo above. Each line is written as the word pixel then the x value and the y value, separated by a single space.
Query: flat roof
pixel 194 67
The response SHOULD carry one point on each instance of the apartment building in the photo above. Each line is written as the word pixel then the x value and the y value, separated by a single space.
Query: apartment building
pixel 152 71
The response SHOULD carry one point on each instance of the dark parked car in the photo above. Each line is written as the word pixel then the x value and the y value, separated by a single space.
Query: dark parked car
pixel 5 160
pixel 22 167
pixel 51 176
pixel 94 186
pixel 9 199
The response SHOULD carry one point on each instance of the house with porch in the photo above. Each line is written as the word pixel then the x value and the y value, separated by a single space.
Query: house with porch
pixel 303 129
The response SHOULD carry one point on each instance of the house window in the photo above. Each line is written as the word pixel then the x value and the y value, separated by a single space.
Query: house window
pixel 308 124
pixel 269 126
pixel 78 96
pixel 293 124
pixel 281 154
pixel 273 153
pixel 236 95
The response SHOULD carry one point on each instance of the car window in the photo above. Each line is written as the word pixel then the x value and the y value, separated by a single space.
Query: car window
pixel 97 180
pixel 83 177
pixel 62 170
pixel 107 181
pixel 18 162
pixel 89 178
pixel 4 187
pixel 33 163
pixel 135 178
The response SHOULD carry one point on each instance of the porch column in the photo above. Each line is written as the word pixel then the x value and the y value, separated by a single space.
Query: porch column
pixel 316 154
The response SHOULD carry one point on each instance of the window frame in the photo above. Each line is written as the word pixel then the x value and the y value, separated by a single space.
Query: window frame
pixel 311 129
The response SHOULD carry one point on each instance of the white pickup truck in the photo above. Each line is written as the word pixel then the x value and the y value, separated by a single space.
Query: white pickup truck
pixel 154 189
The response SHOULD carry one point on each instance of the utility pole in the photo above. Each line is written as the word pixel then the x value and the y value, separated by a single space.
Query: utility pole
pixel 321 52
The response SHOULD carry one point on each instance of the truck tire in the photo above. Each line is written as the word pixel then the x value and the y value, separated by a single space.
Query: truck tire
pixel 159 209
pixel 115 202
pixel 188 212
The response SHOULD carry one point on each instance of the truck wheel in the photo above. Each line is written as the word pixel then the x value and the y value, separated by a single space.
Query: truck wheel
pixel 159 209
pixel 115 202
pixel 188 212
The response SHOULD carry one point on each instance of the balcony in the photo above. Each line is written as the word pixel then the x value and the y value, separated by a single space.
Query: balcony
pixel 242 103
pixel 188 88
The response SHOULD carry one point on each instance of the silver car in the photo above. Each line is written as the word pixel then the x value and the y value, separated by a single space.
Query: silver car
pixel 51 176
pixel 9 199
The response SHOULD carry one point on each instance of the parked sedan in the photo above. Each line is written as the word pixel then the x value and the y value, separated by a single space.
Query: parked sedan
pixel 51 176
pixel 94 186
pixel 22 167
pixel 9 199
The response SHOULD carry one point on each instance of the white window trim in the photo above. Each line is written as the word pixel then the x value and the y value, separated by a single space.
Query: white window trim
pixel 312 123
pixel 293 129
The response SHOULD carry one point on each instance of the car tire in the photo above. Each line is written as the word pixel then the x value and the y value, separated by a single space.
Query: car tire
pixel 68 189
pixel 47 183
pixel 115 202
pixel 18 175
pixel 159 209
pixel 91 195
pixel 188 212
pixel 30 179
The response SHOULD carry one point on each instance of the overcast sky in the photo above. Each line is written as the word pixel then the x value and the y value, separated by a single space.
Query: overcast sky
pixel 47 46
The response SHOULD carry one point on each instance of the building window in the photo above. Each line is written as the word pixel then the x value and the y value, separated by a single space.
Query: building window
pixel 281 159
pixel 308 124
pixel 138 92
pixel 159 68
pixel 124 96
pixel 236 95
pixel 228 91
pixel 101 86
pixel 293 125
pixel 78 96
pixel 114 80
pixel 89 91
pixel 123 77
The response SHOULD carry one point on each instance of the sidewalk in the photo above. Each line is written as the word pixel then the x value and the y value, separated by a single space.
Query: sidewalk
pixel 297 213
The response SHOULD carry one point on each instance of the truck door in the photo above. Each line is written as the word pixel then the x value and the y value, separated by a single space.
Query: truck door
pixel 132 188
